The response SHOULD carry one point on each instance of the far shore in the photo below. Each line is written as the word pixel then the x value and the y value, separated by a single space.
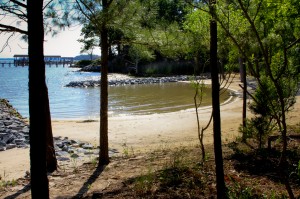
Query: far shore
pixel 141 133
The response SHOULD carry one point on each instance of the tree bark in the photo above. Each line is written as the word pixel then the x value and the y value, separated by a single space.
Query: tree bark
pixel 37 102
pixel 221 192
pixel 103 154
pixel 244 81
pixel 51 157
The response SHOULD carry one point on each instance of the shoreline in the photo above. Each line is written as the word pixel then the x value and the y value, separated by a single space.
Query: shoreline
pixel 142 133
pixel 137 133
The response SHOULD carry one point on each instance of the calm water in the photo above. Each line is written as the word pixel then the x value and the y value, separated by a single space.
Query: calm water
pixel 66 103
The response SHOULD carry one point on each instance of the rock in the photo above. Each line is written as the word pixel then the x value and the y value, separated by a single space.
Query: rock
pixel 25 130
pixel 15 127
pixel 81 144
pixel 114 150
pixel 26 137
pixel 88 152
pixel 66 142
pixel 65 148
pixel 57 138
pixel 20 141
pixel 74 155
pixel 2 135
pixel 80 150
pixel 2 144
pixel 75 145
pixel 73 141
pixel 23 146
pixel 87 146
pixel 15 133
pixel 8 138
pixel 11 146
pixel 131 81
pixel 61 153
pixel 63 159
pixel 71 150
pixel 59 144
pixel 13 130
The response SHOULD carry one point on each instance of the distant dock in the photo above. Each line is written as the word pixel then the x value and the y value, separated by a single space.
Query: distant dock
pixel 23 60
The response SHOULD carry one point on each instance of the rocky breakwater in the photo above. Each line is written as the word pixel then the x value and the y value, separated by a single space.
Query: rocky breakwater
pixel 14 133
pixel 130 81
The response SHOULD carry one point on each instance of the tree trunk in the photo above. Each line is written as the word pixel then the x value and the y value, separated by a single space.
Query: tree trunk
pixel 283 163
pixel 37 102
pixel 103 154
pixel 244 81
pixel 221 192
pixel 51 157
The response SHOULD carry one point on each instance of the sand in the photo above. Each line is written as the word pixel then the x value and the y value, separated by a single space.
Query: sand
pixel 140 133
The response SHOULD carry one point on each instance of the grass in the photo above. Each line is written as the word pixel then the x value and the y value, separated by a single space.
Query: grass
pixel 6 183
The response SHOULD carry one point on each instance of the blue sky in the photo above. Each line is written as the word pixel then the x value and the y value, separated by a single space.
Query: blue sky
pixel 64 44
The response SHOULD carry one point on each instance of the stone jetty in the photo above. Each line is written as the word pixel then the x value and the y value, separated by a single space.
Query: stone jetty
pixel 131 81
pixel 14 133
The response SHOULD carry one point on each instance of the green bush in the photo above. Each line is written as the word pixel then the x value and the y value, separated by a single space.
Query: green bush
pixel 83 63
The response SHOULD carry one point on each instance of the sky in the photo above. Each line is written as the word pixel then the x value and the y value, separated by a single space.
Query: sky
pixel 65 44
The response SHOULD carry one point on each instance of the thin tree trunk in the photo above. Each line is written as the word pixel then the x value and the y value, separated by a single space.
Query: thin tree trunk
pixel 283 164
pixel 103 154
pixel 244 80
pixel 37 102
pixel 51 157
pixel 221 192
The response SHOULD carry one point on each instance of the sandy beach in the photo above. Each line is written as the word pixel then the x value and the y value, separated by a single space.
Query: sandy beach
pixel 140 133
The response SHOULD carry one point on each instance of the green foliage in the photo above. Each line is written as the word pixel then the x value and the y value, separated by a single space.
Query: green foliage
pixel 127 151
pixel 176 174
pixel 96 62
pixel 144 184
pixel 237 191
pixel 6 183
pixel 83 63
pixel 74 163
pixel 167 68
pixel 140 53
pixel 258 128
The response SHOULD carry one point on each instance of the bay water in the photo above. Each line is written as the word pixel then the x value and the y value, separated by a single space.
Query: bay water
pixel 76 103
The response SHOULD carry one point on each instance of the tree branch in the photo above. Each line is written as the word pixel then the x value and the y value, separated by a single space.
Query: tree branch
pixel 292 44
pixel 19 3
pixel 47 5
pixel 14 11
pixel 7 43
pixel 6 28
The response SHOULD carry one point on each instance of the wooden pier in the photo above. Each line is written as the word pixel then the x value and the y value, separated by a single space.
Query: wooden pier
pixel 10 63
pixel 23 60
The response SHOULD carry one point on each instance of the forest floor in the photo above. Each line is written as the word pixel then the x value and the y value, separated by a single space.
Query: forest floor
pixel 161 158
pixel 171 173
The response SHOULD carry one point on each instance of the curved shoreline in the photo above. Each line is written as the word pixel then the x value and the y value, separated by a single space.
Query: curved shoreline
pixel 143 133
